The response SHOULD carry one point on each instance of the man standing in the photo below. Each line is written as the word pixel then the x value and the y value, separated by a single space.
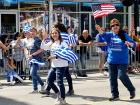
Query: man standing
pixel 85 41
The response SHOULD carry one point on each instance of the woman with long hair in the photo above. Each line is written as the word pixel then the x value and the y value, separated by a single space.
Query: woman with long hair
pixel 58 65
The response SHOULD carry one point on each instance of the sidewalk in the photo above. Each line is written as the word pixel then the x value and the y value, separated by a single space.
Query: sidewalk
pixel 93 90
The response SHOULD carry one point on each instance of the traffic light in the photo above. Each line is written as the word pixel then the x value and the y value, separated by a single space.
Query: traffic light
pixel 127 2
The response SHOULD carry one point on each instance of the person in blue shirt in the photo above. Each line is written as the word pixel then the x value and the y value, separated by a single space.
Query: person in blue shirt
pixel 102 52
pixel 118 42
pixel 34 55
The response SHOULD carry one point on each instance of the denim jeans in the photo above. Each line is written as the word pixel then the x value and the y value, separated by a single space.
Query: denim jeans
pixel 35 77
pixel 83 57
pixel 69 80
pixel 119 71
pixel 57 74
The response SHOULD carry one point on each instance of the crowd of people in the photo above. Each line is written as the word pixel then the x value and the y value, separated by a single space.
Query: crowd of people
pixel 112 47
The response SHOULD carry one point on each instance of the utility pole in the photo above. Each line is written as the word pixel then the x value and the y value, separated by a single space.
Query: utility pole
pixel 136 15
pixel 46 17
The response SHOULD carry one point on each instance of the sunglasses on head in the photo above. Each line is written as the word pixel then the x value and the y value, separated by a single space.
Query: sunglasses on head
pixel 114 25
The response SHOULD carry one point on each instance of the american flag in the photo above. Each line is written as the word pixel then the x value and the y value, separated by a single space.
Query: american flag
pixel 100 10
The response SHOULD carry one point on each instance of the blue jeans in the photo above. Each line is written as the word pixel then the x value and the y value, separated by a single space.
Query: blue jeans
pixel 83 57
pixel 57 74
pixel 119 71
pixel 35 77
pixel 69 79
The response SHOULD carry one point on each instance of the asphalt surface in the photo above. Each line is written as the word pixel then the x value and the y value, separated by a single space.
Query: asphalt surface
pixel 91 90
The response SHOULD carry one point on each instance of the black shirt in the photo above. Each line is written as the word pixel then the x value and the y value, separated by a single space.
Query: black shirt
pixel 83 49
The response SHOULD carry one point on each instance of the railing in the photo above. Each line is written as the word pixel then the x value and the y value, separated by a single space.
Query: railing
pixel 87 61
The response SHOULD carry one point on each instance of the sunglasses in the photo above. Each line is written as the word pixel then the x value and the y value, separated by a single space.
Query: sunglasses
pixel 114 25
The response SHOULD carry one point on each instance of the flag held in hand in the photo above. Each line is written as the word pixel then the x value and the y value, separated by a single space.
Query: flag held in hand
pixel 34 61
pixel 73 39
pixel 67 54
pixel 100 10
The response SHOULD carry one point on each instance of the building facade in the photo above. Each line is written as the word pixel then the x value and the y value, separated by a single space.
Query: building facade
pixel 14 14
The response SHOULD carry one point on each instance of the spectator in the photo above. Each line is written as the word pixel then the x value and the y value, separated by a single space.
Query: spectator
pixel 10 73
pixel 125 28
pixel 18 53
pixel 137 57
pixel 2 47
pixel 102 51
pixel 85 41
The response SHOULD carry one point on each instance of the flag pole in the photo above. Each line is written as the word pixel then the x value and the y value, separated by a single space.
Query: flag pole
pixel 93 16
pixel 95 21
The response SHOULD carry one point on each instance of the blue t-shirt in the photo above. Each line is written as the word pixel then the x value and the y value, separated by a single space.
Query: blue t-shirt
pixel 35 47
pixel 99 38
pixel 117 50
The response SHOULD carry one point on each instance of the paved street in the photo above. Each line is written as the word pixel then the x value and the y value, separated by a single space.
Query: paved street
pixel 93 90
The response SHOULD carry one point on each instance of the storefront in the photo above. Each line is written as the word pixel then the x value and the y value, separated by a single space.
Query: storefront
pixel 14 14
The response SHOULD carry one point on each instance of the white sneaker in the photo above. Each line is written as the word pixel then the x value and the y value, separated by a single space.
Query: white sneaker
pixel 12 83
pixel 106 73
pixel 34 92
pixel 100 74
pixel 60 101
pixel 42 88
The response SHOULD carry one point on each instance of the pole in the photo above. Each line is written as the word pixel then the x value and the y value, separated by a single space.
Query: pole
pixel 46 17
pixel 136 15
pixel 50 14
pixel 129 19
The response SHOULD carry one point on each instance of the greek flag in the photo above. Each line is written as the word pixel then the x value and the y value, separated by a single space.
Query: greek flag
pixel 26 28
pixel 67 54
pixel 65 37
pixel 73 38
pixel 34 61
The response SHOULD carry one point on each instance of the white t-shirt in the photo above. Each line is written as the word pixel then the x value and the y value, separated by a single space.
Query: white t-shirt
pixel 27 43
pixel 53 47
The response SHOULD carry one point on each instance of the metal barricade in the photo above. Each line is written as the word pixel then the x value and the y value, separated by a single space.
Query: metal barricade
pixel 88 61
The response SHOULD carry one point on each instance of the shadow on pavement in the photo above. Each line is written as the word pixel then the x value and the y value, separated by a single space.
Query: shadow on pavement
pixel 25 83
pixel 90 78
pixel 7 101
pixel 91 98
pixel 78 104
pixel 132 101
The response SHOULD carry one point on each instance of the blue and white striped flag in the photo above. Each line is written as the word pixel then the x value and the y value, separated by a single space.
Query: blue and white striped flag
pixel 34 61
pixel 67 54
pixel 26 28
pixel 65 37
pixel 73 38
